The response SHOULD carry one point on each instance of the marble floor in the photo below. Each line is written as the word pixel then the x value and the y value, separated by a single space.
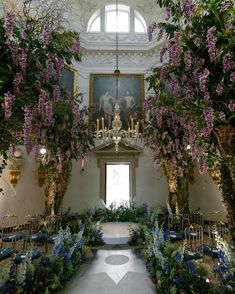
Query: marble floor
pixel 112 269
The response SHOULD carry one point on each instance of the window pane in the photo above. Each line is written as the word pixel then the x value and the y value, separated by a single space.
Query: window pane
pixel 139 27
pixel 112 7
pixel 94 22
pixel 117 184
pixel 95 26
pixel 123 21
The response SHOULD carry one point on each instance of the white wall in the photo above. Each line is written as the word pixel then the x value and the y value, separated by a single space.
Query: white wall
pixel 151 184
pixel 204 194
pixel 83 191
pixel 27 198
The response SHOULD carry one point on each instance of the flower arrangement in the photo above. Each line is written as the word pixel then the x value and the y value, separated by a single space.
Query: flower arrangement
pixel 128 212
pixel 169 268
pixel 48 275
pixel 225 269
pixel 93 233
pixel 138 235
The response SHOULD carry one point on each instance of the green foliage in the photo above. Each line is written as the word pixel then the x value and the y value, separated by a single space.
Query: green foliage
pixel 123 213
pixel 139 235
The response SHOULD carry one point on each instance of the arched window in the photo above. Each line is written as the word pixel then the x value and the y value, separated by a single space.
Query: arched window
pixel 139 24
pixel 129 20
pixel 94 22
pixel 123 25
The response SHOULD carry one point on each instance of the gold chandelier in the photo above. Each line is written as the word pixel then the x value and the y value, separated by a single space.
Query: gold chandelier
pixel 116 133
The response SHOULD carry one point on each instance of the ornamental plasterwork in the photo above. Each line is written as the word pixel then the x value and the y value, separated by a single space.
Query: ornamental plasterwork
pixel 125 59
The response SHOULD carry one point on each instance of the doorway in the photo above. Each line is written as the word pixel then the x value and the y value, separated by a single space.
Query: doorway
pixel 117 184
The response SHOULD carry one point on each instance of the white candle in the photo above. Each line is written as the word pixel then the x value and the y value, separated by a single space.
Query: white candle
pixel 97 125
pixel 102 120
pixel 132 123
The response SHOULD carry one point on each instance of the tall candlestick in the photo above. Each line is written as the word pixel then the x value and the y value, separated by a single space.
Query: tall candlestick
pixel 137 128
pixel 102 120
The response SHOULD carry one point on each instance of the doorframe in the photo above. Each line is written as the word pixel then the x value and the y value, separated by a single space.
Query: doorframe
pixel 126 155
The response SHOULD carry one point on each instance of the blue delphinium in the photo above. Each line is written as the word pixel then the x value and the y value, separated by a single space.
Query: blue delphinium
pixel 191 266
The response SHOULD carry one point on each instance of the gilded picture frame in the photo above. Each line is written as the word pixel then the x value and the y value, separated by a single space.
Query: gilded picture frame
pixel 69 80
pixel 103 96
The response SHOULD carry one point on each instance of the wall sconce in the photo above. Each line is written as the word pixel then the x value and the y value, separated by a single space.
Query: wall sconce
pixel 14 176
pixel 14 170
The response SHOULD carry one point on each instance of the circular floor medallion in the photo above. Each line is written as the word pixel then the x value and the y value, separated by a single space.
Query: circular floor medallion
pixel 116 259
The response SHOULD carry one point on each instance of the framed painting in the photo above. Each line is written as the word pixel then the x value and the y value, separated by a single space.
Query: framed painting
pixel 69 80
pixel 103 95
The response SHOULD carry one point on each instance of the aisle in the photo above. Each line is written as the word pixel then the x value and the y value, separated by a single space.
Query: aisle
pixel 112 270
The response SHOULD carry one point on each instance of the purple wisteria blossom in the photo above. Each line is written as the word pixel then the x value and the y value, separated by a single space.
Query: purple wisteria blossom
pixel 14 51
pixel 160 34
pixel 174 82
pixel 48 113
pixel 224 6
pixel 8 102
pixel 46 37
pixel 56 93
pixel 175 50
pixel 9 21
pixel 190 8
pixel 22 60
pixel 202 165
pixel 151 29
pixel 168 13
pixel 211 44
pixel 232 77
pixel 188 60
pixel 228 25
pixel 231 106
pixel 228 63
pixel 42 101
pixel 59 65
pixel 222 115
pixel 17 82
pixel 163 73
pixel 209 116
pixel 205 132
pixel 22 32
pixel 202 83
pixel 219 89
pixel 48 72
pixel 197 41
pixel 78 45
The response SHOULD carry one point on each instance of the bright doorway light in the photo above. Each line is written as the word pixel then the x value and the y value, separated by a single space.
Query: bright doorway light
pixel 117 184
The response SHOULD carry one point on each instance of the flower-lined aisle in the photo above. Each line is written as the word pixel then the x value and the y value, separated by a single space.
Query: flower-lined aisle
pixel 45 268
pixel 171 265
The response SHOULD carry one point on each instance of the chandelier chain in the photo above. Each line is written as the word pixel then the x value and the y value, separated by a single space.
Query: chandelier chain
pixel 116 133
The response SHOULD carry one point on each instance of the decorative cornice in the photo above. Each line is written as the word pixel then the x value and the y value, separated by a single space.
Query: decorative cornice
pixel 144 59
